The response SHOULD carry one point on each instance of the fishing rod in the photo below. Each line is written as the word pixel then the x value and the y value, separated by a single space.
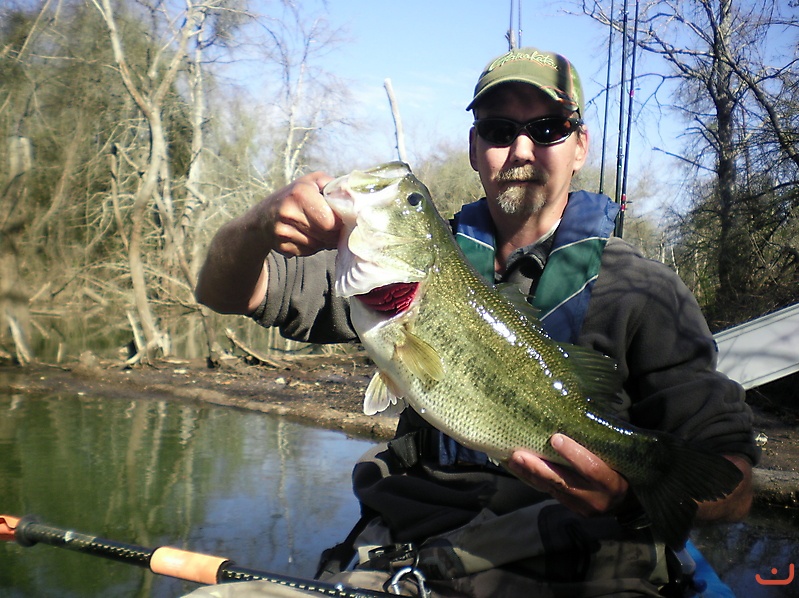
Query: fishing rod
pixel 607 103
pixel 513 41
pixel 165 560
pixel 620 157
pixel 623 210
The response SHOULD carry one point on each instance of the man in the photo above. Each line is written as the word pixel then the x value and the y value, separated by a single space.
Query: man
pixel 462 522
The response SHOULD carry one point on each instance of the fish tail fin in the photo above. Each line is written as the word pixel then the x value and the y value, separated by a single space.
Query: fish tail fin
pixel 685 477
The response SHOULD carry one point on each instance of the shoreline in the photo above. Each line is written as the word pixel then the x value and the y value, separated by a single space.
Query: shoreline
pixel 324 391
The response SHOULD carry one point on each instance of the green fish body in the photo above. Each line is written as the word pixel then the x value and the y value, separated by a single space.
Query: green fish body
pixel 480 369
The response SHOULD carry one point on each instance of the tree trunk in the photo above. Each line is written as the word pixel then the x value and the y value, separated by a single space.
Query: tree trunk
pixel 156 170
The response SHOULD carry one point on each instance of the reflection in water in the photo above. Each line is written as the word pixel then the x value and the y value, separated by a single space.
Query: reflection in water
pixel 769 539
pixel 264 492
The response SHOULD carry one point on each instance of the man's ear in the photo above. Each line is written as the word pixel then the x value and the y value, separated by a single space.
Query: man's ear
pixel 472 150
pixel 581 149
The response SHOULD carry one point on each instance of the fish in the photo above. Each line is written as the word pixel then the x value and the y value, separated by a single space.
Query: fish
pixel 479 366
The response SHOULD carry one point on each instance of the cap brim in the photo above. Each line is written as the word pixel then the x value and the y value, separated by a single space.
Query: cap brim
pixel 567 103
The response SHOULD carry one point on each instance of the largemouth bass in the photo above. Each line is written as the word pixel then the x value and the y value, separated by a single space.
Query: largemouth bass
pixel 475 366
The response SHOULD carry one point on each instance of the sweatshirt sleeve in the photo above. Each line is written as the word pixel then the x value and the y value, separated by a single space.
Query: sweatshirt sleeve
pixel 644 316
pixel 300 300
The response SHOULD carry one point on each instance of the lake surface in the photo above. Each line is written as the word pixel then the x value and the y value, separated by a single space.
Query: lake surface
pixel 262 491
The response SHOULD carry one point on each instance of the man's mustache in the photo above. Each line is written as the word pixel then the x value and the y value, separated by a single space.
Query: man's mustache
pixel 522 174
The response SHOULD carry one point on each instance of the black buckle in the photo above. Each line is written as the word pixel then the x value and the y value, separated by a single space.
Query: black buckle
pixel 412 447
pixel 391 557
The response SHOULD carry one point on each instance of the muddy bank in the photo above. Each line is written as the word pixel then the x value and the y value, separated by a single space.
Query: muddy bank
pixel 327 391
pixel 322 390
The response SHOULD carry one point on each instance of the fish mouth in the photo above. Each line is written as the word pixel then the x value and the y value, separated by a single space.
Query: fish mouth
pixel 390 299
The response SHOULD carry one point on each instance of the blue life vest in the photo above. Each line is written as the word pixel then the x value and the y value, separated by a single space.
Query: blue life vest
pixel 573 265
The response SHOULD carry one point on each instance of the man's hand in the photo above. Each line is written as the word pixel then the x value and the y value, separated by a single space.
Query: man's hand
pixel 295 220
pixel 298 218
pixel 589 487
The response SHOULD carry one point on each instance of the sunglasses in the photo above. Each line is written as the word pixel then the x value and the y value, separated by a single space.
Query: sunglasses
pixel 547 130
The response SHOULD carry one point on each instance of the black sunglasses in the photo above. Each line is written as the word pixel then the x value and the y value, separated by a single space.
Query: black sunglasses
pixel 547 130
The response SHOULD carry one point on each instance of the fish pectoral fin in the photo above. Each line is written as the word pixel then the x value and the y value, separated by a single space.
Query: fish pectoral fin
pixel 382 396
pixel 420 358
pixel 597 375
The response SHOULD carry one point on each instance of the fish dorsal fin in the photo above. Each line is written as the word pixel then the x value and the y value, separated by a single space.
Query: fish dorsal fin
pixel 513 295
pixel 382 396
pixel 420 358
pixel 597 374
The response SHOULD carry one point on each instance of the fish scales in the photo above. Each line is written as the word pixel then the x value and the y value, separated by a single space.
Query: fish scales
pixel 474 366
pixel 458 307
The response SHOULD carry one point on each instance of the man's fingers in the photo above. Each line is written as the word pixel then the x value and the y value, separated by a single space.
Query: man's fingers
pixel 304 223
pixel 537 472
pixel 585 463
pixel 585 484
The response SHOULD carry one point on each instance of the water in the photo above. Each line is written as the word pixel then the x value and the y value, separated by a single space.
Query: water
pixel 264 492
pixel 766 544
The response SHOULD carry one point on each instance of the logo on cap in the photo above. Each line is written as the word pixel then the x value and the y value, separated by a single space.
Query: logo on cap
pixel 535 56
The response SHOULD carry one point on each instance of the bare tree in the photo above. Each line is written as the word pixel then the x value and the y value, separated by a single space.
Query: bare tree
pixel 120 153
pixel 149 94
pixel 18 99
pixel 310 100
pixel 732 87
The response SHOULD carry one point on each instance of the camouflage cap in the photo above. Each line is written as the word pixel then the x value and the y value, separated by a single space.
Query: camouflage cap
pixel 551 73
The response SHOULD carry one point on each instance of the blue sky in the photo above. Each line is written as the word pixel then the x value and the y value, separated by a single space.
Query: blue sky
pixel 434 50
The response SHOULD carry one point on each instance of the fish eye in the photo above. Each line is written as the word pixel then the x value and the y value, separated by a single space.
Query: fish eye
pixel 415 199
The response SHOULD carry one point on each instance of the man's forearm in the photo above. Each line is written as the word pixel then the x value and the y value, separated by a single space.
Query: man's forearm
pixel 234 276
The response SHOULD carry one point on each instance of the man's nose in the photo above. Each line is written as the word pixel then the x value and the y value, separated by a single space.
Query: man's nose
pixel 522 150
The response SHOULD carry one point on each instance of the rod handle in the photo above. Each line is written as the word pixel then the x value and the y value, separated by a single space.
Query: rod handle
pixel 8 527
pixel 15 529
pixel 183 564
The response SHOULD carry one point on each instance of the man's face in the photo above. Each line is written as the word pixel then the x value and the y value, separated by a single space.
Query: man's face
pixel 524 177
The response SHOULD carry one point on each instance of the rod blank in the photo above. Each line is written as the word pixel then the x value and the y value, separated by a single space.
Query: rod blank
pixel 163 560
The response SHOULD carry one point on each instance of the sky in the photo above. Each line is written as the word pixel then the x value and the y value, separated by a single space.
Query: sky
pixel 433 51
